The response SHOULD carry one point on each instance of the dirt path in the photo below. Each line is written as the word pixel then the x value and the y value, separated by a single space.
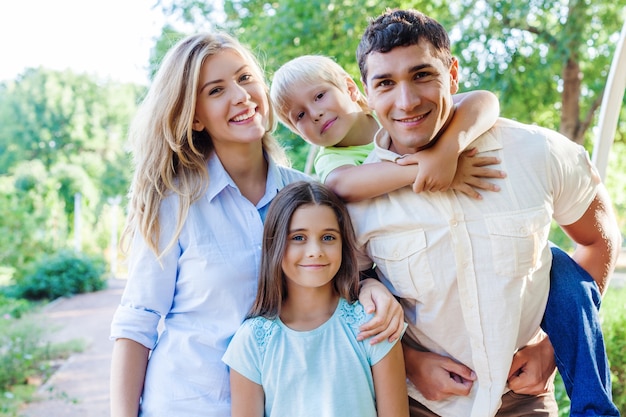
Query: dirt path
pixel 80 387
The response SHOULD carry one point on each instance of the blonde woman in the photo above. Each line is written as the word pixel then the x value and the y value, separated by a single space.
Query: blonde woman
pixel 206 169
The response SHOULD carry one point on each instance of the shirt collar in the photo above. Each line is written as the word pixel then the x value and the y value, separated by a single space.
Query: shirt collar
pixel 219 179
pixel 485 143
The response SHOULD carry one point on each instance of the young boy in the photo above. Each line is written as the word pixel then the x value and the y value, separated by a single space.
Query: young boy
pixel 318 100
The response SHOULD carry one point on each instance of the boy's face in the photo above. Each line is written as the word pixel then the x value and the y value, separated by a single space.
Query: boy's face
pixel 324 114
pixel 410 89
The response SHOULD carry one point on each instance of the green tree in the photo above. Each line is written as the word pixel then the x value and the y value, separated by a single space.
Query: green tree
pixel 60 134
pixel 65 118
pixel 547 60
pixel 32 222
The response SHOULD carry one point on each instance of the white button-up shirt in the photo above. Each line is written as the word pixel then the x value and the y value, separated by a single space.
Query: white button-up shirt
pixel 203 288
pixel 474 274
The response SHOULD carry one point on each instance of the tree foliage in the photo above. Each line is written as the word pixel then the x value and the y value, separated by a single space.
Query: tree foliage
pixel 60 134
pixel 547 60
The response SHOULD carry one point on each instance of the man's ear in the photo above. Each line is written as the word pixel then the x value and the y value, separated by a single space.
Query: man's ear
pixel 454 76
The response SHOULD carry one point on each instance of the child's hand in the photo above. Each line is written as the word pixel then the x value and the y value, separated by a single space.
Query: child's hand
pixel 436 169
pixel 471 171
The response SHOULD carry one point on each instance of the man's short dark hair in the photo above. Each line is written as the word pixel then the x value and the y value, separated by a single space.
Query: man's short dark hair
pixel 397 27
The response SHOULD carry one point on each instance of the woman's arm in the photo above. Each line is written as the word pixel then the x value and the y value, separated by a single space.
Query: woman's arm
pixel 392 399
pixel 247 397
pixel 128 371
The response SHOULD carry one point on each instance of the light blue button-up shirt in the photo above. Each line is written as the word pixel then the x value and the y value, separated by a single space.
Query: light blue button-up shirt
pixel 203 288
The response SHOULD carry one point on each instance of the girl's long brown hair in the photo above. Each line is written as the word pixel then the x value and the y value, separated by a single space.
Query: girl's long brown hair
pixel 272 287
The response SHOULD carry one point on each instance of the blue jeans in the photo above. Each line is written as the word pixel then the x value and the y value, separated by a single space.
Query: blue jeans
pixel 572 322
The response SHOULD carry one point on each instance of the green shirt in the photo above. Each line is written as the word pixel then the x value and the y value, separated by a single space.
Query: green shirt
pixel 332 157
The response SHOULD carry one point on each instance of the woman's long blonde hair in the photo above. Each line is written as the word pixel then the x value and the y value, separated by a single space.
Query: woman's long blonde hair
pixel 169 156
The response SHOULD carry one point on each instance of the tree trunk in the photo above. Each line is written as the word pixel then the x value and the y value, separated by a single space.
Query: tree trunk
pixel 570 114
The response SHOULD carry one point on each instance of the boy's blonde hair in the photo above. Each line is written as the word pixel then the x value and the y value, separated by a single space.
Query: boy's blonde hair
pixel 307 69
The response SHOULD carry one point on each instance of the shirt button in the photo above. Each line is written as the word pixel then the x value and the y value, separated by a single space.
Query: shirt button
pixel 454 223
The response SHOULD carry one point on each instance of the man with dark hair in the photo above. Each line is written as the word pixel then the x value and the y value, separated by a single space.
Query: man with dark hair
pixel 474 275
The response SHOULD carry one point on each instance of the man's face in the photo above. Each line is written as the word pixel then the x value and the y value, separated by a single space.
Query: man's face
pixel 410 89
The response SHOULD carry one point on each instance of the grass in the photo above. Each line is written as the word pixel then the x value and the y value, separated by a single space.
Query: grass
pixel 26 359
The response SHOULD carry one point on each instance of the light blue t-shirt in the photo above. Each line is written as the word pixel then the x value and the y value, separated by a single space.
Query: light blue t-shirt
pixel 322 372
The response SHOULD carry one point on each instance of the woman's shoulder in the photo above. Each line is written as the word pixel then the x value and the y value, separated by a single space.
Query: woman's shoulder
pixel 290 175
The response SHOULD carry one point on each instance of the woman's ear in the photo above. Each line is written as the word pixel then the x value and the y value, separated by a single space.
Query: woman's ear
pixel 197 126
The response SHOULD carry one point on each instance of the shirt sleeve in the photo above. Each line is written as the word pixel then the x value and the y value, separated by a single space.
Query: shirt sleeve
pixel 243 353
pixel 329 159
pixel 149 290
pixel 575 179
pixel 379 350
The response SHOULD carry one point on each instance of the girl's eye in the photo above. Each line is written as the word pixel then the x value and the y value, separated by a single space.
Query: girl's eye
pixel 245 77
pixel 328 238
pixel 300 115
pixel 297 238
pixel 319 96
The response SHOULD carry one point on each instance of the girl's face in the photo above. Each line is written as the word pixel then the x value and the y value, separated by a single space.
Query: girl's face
pixel 324 114
pixel 232 105
pixel 313 251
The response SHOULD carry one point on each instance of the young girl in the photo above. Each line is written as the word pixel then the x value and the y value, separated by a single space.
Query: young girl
pixel 297 354
pixel 206 169
pixel 318 100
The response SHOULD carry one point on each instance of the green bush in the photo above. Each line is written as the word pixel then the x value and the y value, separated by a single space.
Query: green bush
pixel 19 350
pixel 62 274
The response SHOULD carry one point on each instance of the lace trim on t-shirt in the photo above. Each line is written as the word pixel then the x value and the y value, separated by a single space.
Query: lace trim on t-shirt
pixel 262 329
pixel 353 314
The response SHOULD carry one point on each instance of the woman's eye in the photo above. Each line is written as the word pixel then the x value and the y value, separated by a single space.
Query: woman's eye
pixel 215 90
pixel 328 238
pixel 245 77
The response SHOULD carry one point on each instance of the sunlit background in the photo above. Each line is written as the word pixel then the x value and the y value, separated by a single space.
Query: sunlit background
pixel 108 38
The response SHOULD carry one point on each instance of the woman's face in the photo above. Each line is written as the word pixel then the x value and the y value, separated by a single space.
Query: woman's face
pixel 232 104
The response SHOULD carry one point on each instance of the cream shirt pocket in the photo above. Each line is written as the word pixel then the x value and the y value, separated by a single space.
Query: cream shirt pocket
pixel 517 239
pixel 403 261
